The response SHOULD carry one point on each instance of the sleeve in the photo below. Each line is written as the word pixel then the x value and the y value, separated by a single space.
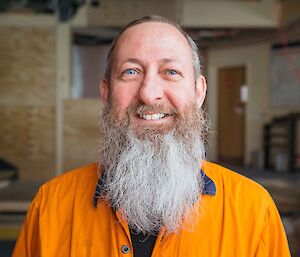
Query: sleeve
pixel 273 242
pixel 28 242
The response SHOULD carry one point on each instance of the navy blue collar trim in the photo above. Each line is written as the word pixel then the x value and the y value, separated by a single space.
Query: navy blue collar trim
pixel 209 187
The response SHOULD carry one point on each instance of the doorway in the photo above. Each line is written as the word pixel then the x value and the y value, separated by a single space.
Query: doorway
pixel 231 115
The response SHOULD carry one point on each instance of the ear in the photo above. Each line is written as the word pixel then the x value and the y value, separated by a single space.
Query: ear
pixel 104 90
pixel 200 89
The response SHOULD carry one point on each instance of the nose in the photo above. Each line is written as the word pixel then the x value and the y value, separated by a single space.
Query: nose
pixel 151 91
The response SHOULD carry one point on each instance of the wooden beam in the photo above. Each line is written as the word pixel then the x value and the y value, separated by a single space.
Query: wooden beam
pixel 27 20
pixel 14 206
pixel 225 14
pixel 63 84
pixel 118 13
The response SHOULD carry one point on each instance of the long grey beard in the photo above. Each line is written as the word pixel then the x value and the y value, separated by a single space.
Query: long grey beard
pixel 154 179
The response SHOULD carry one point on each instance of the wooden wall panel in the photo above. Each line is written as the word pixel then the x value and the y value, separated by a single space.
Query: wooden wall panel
pixel 27 74
pixel 81 134
pixel 27 97
pixel 27 140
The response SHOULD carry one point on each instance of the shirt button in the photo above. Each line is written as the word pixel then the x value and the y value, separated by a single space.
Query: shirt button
pixel 125 249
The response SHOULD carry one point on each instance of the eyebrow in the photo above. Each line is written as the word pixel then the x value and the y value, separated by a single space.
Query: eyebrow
pixel 137 61
pixel 132 60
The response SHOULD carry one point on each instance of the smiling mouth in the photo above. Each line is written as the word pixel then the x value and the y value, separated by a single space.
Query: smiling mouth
pixel 156 116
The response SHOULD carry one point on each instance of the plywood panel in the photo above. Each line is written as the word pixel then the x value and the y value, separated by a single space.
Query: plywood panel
pixel 81 133
pixel 27 66
pixel 27 97
pixel 27 140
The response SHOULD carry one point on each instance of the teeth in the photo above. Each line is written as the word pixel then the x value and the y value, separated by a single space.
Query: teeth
pixel 152 116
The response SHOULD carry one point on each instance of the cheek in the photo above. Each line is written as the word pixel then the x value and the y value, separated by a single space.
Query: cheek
pixel 181 98
pixel 122 98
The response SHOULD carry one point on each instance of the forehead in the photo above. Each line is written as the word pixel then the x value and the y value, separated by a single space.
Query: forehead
pixel 156 38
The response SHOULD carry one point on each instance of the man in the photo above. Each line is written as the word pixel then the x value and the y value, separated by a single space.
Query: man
pixel 155 195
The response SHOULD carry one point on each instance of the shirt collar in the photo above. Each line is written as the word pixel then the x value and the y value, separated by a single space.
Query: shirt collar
pixel 209 187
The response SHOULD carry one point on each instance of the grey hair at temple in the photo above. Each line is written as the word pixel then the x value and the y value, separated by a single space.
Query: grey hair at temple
pixel 154 18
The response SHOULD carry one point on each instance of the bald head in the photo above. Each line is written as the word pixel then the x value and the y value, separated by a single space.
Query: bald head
pixel 152 18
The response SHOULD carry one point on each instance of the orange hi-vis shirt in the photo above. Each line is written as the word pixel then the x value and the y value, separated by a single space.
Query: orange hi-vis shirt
pixel 239 219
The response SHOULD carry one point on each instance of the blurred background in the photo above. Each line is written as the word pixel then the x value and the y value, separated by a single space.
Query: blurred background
pixel 53 55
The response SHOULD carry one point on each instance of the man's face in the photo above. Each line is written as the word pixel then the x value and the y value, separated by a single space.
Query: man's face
pixel 152 128
pixel 152 77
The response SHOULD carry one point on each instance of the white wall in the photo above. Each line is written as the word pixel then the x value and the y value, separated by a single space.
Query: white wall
pixel 256 58
pixel 259 111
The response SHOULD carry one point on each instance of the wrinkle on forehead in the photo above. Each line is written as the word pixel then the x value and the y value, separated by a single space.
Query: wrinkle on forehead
pixel 146 32
pixel 149 37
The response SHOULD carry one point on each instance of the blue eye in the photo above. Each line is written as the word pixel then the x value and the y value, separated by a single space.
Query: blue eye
pixel 172 72
pixel 130 72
